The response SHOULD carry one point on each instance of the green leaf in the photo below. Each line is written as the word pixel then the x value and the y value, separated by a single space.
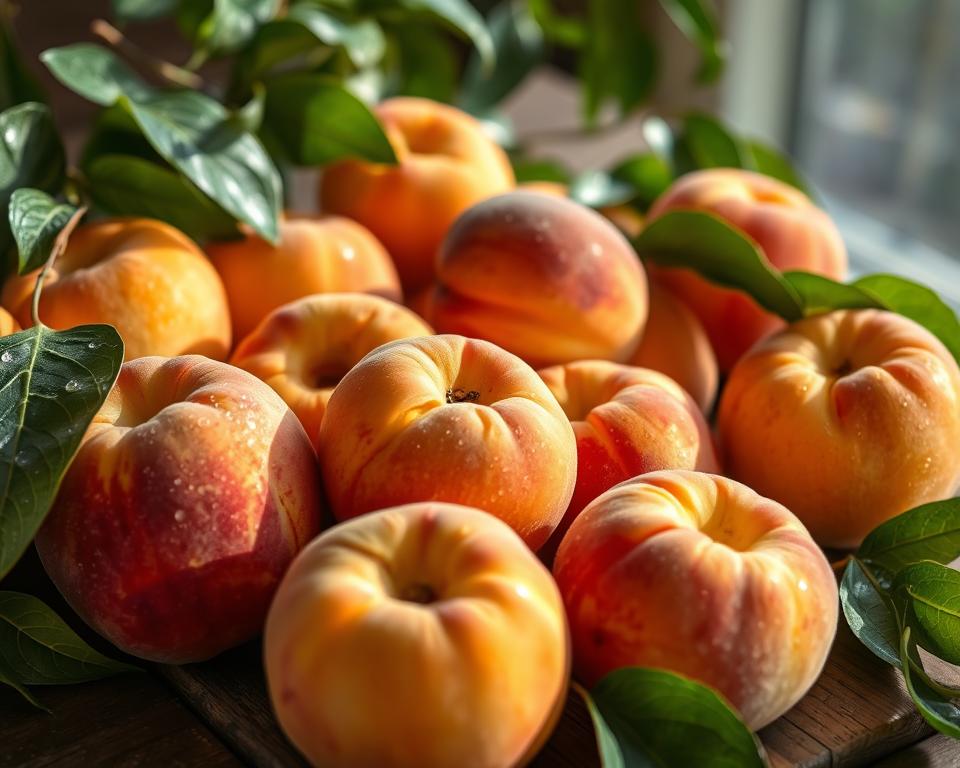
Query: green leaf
pixel 821 294
pixel 362 39
pixel 659 718
pixel 648 174
pixel 771 162
pixel 17 83
pixel 607 745
pixel 598 189
pixel 869 611
pixel 935 708
pixel 720 253
pixel 35 220
pixel 7 678
pixel 130 186
pixel 565 31
pixel 519 44
pixel 224 26
pixel 39 648
pixel 933 592
pixel 704 143
pixel 319 121
pixel 928 532
pixel 142 10
pixel 428 64
pixel 699 24
pixel 52 383
pixel 94 72
pixel 526 169
pixel 115 132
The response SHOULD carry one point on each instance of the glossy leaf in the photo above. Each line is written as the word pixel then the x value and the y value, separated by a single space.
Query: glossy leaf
pixel 928 532
pixel 115 132
pixel 142 10
pixel 95 73
pixel 51 385
pixel 870 612
pixel 526 169
pixel 38 647
pixel 771 162
pixel 362 38
pixel 8 678
pixel 648 175
pixel 935 708
pixel 428 64
pixel 598 189
pixel 318 121
pixel 703 142
pixel 607 745
pixel 821 294
pixel 697 21
pixel 223 26
pixel 35 220
pixel 565 31
pixel 933 600
pixel 720 253
pixel 17 83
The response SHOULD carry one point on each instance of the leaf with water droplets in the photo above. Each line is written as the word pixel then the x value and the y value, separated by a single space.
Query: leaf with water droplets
pixel 52 383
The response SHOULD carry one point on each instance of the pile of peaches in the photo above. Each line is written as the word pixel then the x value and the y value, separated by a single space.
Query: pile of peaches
pixel 438 509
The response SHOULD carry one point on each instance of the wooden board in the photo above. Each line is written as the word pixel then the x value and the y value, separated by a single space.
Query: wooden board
pixel 857 712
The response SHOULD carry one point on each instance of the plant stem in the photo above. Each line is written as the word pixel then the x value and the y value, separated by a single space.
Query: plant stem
pixel 59 245
pixel 164 69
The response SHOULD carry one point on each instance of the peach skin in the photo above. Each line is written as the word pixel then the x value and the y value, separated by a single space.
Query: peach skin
pixel 145 278
pixel 447 163
pixel 316 254
pixel 544 278
pixel 7 324
pixel 848 418
pixel 627 421
pixel 790 230
pixel 304 348
pixel 191 492
pixel 698 574
pixel 422 636
pixel 447 418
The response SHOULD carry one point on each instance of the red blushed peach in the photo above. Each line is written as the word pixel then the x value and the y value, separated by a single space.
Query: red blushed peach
pixel 316 254
pixel 675 343
pixel 303 349
pixel 627 421
pixel 193 489
pixel 790 230
pixel 542 277
pixel 426 635
pixel 699 575
pixel 446 164
pixel 452 419
pixel 848 418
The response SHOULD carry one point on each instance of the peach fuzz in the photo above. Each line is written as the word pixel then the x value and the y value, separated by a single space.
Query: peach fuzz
pixel 452 419
pixel 543 277
pixel 446 163
pixel 303 349
pixel 425 635
pixel 790 230
pixel 627 421
pixel 191 492
pixel 700 575
pixel 848 418
pixel 145 278
pixel 675 343
pixel 315 254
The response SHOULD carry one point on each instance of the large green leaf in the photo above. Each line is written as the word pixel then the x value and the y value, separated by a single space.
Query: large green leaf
pixel 35 220
pixel 703 142
pixel 611 756
pixel 428 63
pixel 928 532
pixel 869 611
pixel 648 174
pixel 7 677
pixel 142 10
pixel 223 26
pixel 361 38
pixel 659 718
pixel 95 73
pixel 51 385
pixel 697 21
pixel 932 595
pixel 938 710
pixel 318 121
pixel 821 294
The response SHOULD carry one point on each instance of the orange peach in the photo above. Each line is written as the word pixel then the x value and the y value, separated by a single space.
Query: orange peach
pixel 700 575
pixel 675 343
pixel 446 164
pixel 627 421
pixel 425 635
pixel 790 230
pixel 7 324
pixel 193 489
pixel 316 254
pixel 303 349
pixel 449 419
pixel 551 188
pixel 543 277
pixel 848 418
pixel 145 278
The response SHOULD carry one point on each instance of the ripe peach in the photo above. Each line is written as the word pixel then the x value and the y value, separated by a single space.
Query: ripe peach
pixel 145 278
pixel 675 343
pixel 543 277
pixel 425 635
pixel 7 324
pixel 551 188
pixel 446 164
pixel 193 489
pixel 848 418
pixel 790 230
pixel 303 349
pixel 449 419
pixel 316 254
pixel 700 575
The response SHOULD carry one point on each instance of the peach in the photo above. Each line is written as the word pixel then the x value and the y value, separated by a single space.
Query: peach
pixel 789 229
pixel 543 277
pixel 425 635
pixel 627 421
pixel 848 418
pixel 675 343
pixel 551 188
pixel 316 254
pixel 191 492
pixel 145 278
pixel 7 324
pixel 303 349
pixel 452 419
pixel 700 575
pixel 447 163
pixel 626 218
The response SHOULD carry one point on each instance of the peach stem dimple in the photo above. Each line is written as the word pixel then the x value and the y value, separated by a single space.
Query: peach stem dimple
pixel 418 593
pixel 462 395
